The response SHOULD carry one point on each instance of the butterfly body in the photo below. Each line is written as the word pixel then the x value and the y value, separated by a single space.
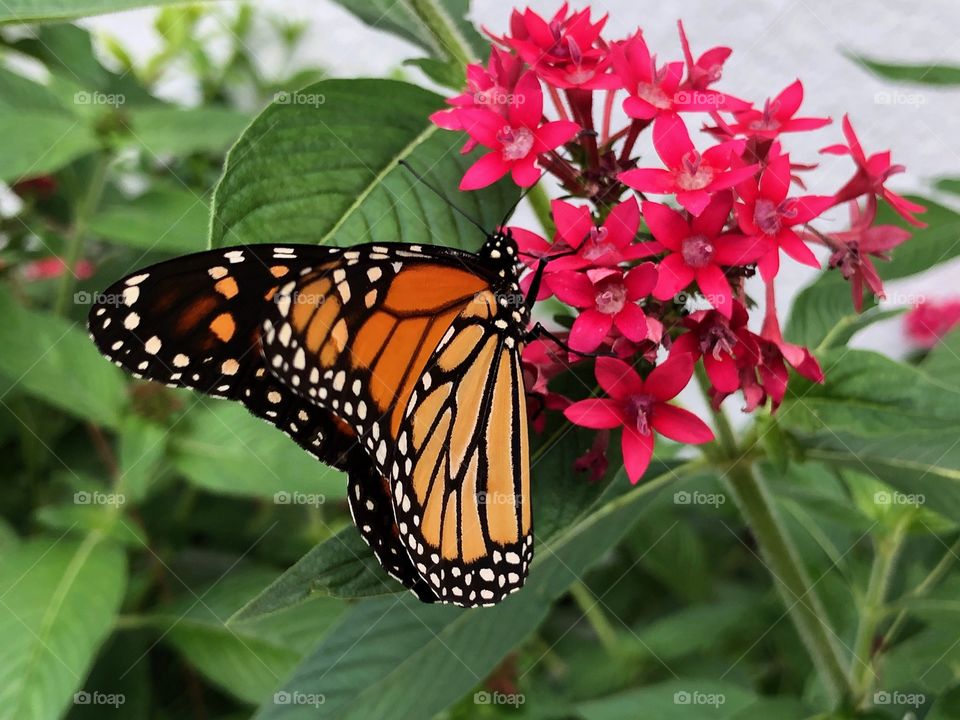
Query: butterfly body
pixel 397 363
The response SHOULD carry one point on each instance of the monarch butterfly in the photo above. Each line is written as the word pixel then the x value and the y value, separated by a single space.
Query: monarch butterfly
pixel 399 364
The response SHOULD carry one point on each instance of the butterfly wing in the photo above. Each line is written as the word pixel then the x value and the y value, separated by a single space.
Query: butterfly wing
pixel 370 347
pixel 194 322
pixel 372 511
pixel 462 493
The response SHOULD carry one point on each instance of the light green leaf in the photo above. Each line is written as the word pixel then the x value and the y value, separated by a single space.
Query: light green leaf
pixel 140 453
pixel 248 660
pixel 89 518
pixel 165 130
pixel 54 359
pixel 45 142
pixel 403 19
pixel 823 315
pixel 398 658
pixel 229 451
pixel 164 219
pixel 679 699
pixel 59 602
pixel 23 11
pixel 929 246
pixel 943 362
pixel 18 94
pixel 930 74
pixel 321 168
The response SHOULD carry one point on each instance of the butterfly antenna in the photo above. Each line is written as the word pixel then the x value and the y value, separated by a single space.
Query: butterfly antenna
pixel 443 197
pixel 520 199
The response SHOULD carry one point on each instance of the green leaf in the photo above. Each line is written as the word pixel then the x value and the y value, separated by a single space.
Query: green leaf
pixel 23 11
pixel 947 706
pixel 401 19
pixel 18 93
pixel 823 315
pixel 168 130
pixel 322 168
pixel 342 566
pixel 447 74
pixel 398 658
pixel 54 359
pixel 950 185
pixel 678 699
pixel 164 219
pixel 231 452
pixel 140 453
pixel 248 660
pixel 931 74
pixel 88 518
pixel 868 394
pixel 929 246
pixel 877 415
pixel 59 602
pixel 45 142
pixel 943 361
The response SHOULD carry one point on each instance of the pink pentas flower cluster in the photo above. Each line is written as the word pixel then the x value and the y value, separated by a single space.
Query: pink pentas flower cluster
pixel 651 254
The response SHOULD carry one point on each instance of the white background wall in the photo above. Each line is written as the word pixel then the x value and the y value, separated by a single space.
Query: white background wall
pixel 774 42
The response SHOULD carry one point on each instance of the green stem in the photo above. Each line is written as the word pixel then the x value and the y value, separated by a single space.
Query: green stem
pixel 887 551
pixel 725 434
pixel 804 606
pixel 77 233
pixel 590 607
pixel 444 30
pixel 938 573
pixel 540 202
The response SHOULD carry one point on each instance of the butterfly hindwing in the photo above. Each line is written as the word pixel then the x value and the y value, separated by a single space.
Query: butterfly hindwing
pixel 461 479
pixel 368 493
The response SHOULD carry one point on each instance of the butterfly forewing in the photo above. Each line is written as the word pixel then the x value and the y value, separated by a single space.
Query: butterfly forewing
pixel 195 322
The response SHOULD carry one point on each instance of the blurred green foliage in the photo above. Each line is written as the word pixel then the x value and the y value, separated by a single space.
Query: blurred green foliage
pixel 166 555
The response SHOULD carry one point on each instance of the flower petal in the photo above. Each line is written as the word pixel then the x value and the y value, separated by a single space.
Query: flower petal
pixel 526 108
pixel 485 171
pixel 722 371
pixel 670 377
pixel 573 288
pixel 637 451
pixel 617 379
pixel 795 247
pixel 666 224
pixel 653 180
pixel 632 322
pixel 589 330
pixel 525 172
pixel 674 276
pixel 596 413
pixel 671 139
pixel 680 425
pixel 641 280
pixel 716 289
pixel 573 222
pixel 554 134
pixel 623 221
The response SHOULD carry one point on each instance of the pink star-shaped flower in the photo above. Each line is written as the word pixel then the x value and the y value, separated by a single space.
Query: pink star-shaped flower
pixel 607 297
pixel 777 116
pixel 641 406
pixel 698 251
pixel 515 141
pixel 692 177
pixel 872 174
pixel 767 212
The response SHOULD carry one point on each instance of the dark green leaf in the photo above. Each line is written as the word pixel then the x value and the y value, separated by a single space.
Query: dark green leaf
pixel 45 142
pixel 162 131
pixel 680 699
pixel 321 168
